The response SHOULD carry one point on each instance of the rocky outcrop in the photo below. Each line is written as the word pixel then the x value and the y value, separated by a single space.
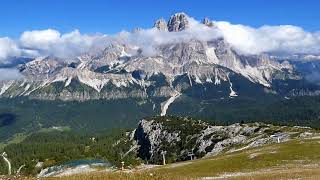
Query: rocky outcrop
pixel 161 24
pixel 181 136
pixel 178 22
pixel 206 21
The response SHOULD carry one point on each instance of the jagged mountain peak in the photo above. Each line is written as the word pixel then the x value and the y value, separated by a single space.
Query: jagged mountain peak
pixel 206 21
pixel 174 67
pixel 178 22
pixel 202 62
pixel 161 24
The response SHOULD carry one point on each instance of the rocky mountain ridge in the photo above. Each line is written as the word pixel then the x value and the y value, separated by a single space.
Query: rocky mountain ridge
pixel 181 137
pixel 124 71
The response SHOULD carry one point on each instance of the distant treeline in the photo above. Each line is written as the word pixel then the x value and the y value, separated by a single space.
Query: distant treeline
pixel 302 111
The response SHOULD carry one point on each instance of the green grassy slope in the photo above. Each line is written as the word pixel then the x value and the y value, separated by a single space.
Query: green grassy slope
pixel 293 159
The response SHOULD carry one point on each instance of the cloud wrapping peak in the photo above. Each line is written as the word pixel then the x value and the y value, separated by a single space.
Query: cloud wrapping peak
pixel 51 42
pixel 8 48
pixel 39 39
pixel 149 39
pixel 285 39
pixel 9 74
pixel 270 39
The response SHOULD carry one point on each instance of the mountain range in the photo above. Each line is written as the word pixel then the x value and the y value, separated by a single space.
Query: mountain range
pixel 124 82
pixel 195 68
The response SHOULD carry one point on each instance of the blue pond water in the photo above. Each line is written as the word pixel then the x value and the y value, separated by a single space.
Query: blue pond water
pixel 73 164
pixel 86 162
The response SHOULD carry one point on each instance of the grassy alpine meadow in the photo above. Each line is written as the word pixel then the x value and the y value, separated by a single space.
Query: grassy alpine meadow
pixel 294 159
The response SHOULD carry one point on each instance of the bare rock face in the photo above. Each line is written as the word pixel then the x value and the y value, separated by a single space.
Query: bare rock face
pixel 111 72
pixel 42 66
pixel 206 21
pixel 161 24
pixel 178 22
pixel 181 136
pixel 158 134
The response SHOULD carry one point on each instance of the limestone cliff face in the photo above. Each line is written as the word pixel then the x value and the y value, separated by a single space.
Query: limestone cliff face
pixel 181 136
pixel 121 70
pixel 161 24
pixel 178 22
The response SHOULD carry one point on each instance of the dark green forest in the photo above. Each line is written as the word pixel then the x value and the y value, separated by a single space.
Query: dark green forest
pixel 80 121
pixel 301 111
pixel 22 115
pixel 58 147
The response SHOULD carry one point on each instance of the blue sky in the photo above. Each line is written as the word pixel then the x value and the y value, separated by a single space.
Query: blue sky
pixel 111 16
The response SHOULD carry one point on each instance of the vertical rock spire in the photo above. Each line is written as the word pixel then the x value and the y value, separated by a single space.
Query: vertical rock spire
pixel 178 22
pixel 206 21
pixel 161 24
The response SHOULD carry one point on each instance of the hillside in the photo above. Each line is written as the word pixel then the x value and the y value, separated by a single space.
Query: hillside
pixel 160 90
pixel 294 159
pixel 166 69
pixel 233 148
pixel 22 116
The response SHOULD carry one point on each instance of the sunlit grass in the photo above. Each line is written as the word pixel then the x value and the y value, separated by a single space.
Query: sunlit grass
pixel 288 160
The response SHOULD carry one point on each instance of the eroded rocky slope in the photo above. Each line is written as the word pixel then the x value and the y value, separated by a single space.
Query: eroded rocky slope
pixel 181 137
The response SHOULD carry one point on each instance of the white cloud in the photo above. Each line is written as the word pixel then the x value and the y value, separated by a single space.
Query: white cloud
pixel 149 39
pixel 244 39
pixel 39 39
pixel 284 39
pixel 272 39
pixel 8 48
pixel 9 74
pixel 52 42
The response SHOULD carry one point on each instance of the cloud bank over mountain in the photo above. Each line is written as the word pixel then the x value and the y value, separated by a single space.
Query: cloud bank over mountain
pixel 52 42
pixel 283 39
pixel 270 39
pixel 8 48
pixel 9 74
